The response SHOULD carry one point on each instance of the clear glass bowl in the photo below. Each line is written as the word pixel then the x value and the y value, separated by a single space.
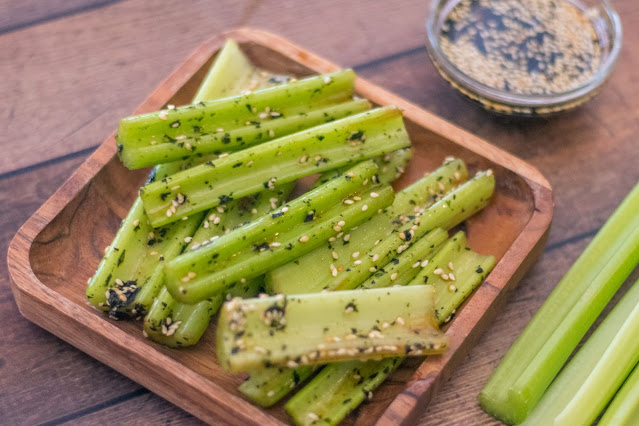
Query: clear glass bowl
pixel 606 24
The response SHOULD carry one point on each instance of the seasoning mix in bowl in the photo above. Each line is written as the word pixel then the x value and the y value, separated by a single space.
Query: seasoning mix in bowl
pixel 518 57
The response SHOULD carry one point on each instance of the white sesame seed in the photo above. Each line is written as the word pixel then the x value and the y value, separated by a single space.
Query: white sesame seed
pixel 355 254
pixel 438 271
pixel 219 129
pixel 451 276
pixel 415 265
pixel 335 255
pixel 162 115
pixel 364 207
pixel 375 257
pixel 349 201
pixel 358 262
pixel 304 239
pixel 424 263
pixel 347 237
pixel 399 320
pixel 188 239
pixel 271 132
pixel 393 276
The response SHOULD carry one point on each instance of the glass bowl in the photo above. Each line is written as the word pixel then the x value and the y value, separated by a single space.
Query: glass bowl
pixel 607 26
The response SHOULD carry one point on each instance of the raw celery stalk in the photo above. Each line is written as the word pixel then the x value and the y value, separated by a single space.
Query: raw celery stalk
pixel 283 160
pixel 231 123
pixel 336 326
pixel 176 324
pixel 624 409
pixel 539 353
pixel 268 385
pixel 607 376
pixel 276 238
pixel 341 387
pixel 585 366
pixel 313 272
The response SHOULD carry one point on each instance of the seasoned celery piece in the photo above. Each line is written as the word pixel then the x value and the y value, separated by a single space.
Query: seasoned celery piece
pixel 276 238
pixel 268 385
pixel 313 274
pixel 393 164
pixel 585 366
pixel 315 150
pixel 232 123
pixel 545 345
pixel 356 324
pixel 341 387
pixel 130 275
pixel 177 324
pixel 402 269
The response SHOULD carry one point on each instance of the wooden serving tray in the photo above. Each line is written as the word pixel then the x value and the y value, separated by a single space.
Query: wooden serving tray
pixel 60 246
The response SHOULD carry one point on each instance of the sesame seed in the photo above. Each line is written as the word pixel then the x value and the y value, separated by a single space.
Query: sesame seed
pixel 451 266
pixel 374 194
pixel 424 263
pixel 364 207
pixel 372 269
pixel 271 132
pixel 347 237
pixel 457 176
pixel 162 115
pixel 438 271
pixel 489 172
pixel 337 228
pixel 393 276
pixel 188 239
pixel 304 239
pixel 358 262
pixel 415 265
pixel 219 129
pixel 444 277
pixel 355 254
pixel 349 201
pixel 399 320
pixel 335 255
pixel 451 276
pixel 375 257
pixel 452 288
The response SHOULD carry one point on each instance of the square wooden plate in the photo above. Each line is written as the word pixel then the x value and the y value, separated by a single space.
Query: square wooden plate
pixel 58 249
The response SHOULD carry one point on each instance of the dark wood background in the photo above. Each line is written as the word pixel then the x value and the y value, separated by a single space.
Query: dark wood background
pixel 70 68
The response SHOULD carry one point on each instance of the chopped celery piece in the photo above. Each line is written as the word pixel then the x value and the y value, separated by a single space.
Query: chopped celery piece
pixel 581 373
pixel 277 238
pixel 269 385
pixel 624 409
pixel 283 160
pixel 231 123
pixel 131 275
pixel 313 272
pixel 402 269
pixel 231 73
pixel 176 324
pixel 393 164
pixel 266 386
pixel 542 349
pixel 341 387
pixel 335 326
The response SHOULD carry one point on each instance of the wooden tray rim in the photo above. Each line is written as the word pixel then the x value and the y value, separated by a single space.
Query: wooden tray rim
pixel 403 409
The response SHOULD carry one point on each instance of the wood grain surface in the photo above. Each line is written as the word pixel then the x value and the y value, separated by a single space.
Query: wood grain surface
pixel 66 80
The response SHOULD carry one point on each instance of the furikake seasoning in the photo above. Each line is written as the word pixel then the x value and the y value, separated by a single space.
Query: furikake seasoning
pixel 531 47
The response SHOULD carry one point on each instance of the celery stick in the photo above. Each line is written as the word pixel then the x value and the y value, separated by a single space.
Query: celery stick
pixel 537 356
pixel 283 160
pixel 607 375
pixel 402 269
pixel 624 409
pixel 177 324
pixel 356 324
pixel 582 367
pixel 230 123
pixel 339 388
pixel 269 385
pixel 274 239
pixel 393 164
pixel 313 272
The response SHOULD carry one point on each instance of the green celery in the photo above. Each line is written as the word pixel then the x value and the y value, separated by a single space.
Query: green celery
pixel 276 238
pixel 341 387
pixel 335 326
pixel 177 324
pixel 542 349
pixel 283 160
pixel 313 273
pixel 402 269
pixel 393 164
pixel 232 123
pixel 268 385
pixel 585 366
pixel 624 409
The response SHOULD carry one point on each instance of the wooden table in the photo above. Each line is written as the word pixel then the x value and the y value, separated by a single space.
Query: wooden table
pixel 71 68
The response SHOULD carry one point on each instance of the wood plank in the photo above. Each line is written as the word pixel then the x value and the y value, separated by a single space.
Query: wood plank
pixel 21 14
pixel 41 376
pixel 67 82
